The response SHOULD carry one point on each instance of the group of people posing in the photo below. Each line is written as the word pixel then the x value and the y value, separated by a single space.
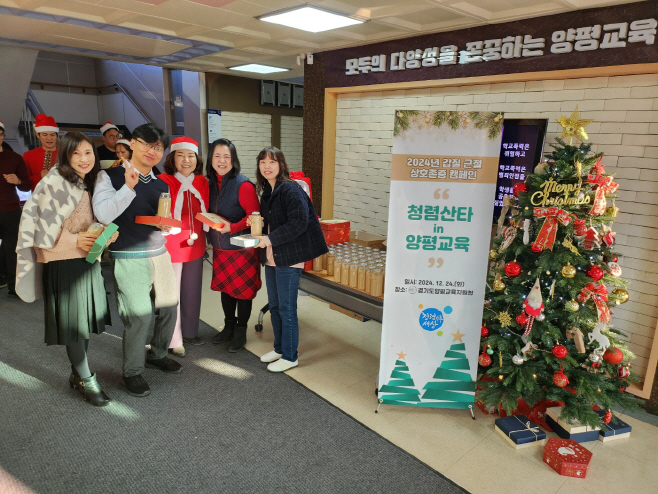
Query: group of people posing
pixel 157 270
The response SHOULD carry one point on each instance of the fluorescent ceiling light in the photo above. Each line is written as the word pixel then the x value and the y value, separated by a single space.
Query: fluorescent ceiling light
pixel 258 68
pixel 310 19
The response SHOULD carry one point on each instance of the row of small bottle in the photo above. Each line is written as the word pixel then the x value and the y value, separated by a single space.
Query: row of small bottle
pixel 356 266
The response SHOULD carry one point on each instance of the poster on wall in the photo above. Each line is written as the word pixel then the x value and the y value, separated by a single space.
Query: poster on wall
pixel 214 125
pixel 443 182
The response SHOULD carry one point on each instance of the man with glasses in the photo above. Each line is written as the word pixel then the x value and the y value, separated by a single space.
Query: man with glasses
pixel 143 274
pixel 13 173
pixel 107 151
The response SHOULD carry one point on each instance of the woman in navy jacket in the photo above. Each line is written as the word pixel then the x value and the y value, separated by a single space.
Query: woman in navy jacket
pixel 293 237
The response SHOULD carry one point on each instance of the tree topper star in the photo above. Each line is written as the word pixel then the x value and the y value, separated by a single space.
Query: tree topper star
pixel 401 355
pixel 574 126
pixel 457 336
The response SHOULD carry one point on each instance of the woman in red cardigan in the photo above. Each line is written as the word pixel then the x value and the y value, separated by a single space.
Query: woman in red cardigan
pixel 189 196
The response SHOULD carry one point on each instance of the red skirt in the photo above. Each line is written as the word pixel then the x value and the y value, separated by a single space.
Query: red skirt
pixel 236 272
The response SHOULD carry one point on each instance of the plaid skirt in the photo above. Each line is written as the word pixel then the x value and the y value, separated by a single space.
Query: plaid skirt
pixel 236 272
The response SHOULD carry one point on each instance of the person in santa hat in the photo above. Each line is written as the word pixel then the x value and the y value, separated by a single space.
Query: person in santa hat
pixel 39 161
pixel 107 151
pixel 13 174
pixel 236 271
pixel 123 151
pixel 189 196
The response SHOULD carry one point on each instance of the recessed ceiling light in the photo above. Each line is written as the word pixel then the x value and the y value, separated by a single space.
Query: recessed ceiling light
pixel 311 19
pixel 258 68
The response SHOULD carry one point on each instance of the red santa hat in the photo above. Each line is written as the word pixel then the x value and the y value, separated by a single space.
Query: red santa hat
pixel 107 126
pixel 44 123
pixel 185 143
pixel 125 142
pixel 2 125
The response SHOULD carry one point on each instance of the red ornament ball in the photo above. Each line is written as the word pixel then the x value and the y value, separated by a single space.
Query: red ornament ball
pixel 613 356
pixel 611 259
pixel 519 187
pixel 484 332
pixel 522 319
pixel 535 248
pixel 607 417
pixel 595 272
pixel 623 372
pixel 512 269
pixel 484 360
pixel 560 351
pixel 560 380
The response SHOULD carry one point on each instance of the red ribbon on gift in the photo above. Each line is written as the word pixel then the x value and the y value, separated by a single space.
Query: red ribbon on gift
pixel 605 186
pixel 599 295
pixel 546 236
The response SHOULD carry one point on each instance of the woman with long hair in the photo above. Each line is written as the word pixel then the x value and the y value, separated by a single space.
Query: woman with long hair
pixel 236 271
pixel 52 246
pixel 183 170
pixel 293 237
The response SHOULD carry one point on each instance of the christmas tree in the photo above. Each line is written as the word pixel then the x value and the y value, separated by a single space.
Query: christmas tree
pixel 454 388
pixel 553 282
pixel 400 389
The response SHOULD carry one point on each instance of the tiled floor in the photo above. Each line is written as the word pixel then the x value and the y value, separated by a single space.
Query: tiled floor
pixel 339 360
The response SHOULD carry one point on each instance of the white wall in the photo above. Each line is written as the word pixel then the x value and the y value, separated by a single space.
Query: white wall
pixel 292 139
pixel 16 67
pixel 250 133
pixel 69 107
pixel 625 128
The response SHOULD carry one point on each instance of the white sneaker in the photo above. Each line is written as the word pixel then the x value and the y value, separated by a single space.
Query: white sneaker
pixel 270 357
pixel 282 365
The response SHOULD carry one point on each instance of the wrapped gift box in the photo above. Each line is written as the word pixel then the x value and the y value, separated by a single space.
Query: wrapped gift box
pixel 519 431
pixel 567 457
pixel 367 239
pixel 211 219
pixel 612 431
pixel 101 242
pixel 578 432
pixel 329 225
pixel 333 237
pixel 158 221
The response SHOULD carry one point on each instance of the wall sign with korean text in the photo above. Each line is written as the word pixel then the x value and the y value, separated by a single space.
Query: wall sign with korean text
pixel 443 179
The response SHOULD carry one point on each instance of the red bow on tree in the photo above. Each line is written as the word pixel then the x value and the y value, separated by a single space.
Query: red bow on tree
pixel 605 186
pixel 599 294
pixel 546 236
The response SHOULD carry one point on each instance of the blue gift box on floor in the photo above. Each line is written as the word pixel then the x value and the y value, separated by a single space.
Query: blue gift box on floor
pixel 576 431
pixel 612 431
pixel 519 431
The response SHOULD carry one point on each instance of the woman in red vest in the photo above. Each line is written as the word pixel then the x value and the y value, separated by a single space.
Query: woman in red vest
pixel 189 196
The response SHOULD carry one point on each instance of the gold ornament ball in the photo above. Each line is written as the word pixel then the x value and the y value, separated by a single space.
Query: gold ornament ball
pixel 571 306
pixel 496 119
pixel 427 120
pixel 399 114
pixel 493 254
pixel 498 285
pixel 467 121
pixel 621 294
pixel 568 271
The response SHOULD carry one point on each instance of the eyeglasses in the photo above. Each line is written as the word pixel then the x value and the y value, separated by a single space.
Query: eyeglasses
pixel 157 149
pixel 114 137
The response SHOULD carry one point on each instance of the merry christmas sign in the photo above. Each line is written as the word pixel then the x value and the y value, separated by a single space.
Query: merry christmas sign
pixel 443 180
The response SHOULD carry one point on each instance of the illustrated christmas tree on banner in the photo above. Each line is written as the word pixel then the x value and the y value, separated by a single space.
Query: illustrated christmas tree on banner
pixel 400 389
pixel 453 386
pixel 554 281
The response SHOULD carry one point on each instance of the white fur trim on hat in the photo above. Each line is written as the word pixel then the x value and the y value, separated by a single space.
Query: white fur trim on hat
pixel 108 125
pixel 2 125
pixel 124 142
pixel 184 144
pixel 46 128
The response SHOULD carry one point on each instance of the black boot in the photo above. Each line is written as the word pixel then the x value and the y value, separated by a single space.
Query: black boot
pixel 226 334
pixel 74 379
pixel 239 339
pixel 92 392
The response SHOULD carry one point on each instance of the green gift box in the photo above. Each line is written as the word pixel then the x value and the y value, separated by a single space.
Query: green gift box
pixel 100 243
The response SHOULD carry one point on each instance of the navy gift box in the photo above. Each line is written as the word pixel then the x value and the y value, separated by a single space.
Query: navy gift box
pixel 576 431
pixel 612 431
pixel 519 431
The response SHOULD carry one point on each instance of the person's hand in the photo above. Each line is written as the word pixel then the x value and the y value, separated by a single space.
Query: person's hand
pixel 12 179
pixel 262 242
pixel 113 238
pixel 132 175
pixel 248 220
pixel 225 229
pixel 86 240
pixel 44 173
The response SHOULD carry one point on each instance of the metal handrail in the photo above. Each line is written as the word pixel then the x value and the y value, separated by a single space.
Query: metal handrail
pixel 115 86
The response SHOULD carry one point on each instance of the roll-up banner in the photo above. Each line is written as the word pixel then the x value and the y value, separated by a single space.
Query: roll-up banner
pixel 443 182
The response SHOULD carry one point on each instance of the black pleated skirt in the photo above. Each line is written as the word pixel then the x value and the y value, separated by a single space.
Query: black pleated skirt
pixel 75 301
